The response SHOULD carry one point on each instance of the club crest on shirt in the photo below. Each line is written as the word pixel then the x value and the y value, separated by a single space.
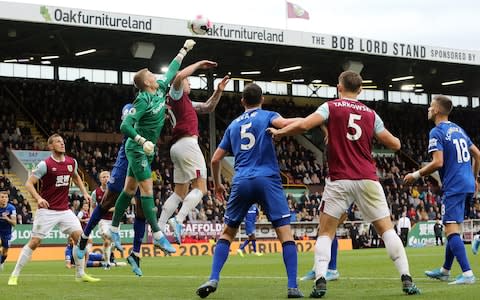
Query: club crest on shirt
pixel 70 168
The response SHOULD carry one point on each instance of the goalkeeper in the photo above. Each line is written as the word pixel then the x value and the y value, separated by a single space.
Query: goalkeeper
pixel 143 125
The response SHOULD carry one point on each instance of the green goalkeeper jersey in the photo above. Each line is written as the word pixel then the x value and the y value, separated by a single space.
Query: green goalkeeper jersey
pixel 147 116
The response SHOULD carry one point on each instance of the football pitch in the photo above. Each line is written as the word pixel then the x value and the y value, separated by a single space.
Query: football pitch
pixel 365 274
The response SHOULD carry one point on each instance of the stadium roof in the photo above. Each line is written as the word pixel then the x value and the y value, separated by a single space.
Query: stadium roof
pixel 39 38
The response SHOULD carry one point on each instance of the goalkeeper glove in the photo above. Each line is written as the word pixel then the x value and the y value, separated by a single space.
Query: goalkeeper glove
pixel 187 47
pixel 148 147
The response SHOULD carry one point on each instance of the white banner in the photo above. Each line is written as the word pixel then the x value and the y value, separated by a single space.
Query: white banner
pixel 157 25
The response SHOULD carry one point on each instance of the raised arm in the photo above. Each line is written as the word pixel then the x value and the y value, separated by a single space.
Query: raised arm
pixel 210 105
pixel 177 61
pixel 188 71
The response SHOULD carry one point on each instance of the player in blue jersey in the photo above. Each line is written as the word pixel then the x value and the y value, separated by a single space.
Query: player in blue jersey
pixel 257 176
pixel 114 188
pixel 8 219
pixel 452 151
pixel 94 259
pixel 250 220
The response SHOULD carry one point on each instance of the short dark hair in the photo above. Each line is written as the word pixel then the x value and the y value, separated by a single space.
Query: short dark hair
pixel 252 94
pixel 351 81
pixel 445 104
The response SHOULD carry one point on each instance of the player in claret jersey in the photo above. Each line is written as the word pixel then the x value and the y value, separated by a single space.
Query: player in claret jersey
pixel 352 126
pixel 55 173
pixel 187 157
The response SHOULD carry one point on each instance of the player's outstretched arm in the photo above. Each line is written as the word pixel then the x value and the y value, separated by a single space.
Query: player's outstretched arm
pixel 210 105
pixel 435 164
pixel 177 61
pixel 216 164
pixel 189 70
pixel 298 127
pixel 476 160
pixel 281 122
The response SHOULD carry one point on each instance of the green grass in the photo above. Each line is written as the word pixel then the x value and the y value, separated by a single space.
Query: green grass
pixel 365 274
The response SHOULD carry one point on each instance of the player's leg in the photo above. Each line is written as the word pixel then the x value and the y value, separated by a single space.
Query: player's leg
pixel 454 214
pixel 121 204
pixel 454 207
pixel 5 244
pixel 370 199
pixel 171 205
pixel 107 202
pixel 191 167
pixel 138 233
pixel 24 258
pixel 149 211
pixel 475 243
pixel 191 200
pixel 270 195
pixel 43 223
pixel 237 207
pixel 69 224
pixel 181 186
pixel 220 256
pixel 249 230
pixel 107 242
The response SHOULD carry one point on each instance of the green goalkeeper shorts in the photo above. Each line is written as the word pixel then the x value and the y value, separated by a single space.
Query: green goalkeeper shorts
pixel 138 164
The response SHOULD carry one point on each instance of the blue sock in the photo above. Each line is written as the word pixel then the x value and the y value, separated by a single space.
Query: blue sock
pixel 254 244
pixel 458 249
pixel 90 264
pixel 96 216
pixel 290 261
pixel 139 232
pixel 244 244
pixel 449 257
pixel 219 258
pixel 332 265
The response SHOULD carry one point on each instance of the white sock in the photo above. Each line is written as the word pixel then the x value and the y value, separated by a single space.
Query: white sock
pixel 395 250
pixel 468 273
pixel 322 255
pixel 444 271
pixel 189 203
pixel 88 247
pixel 114 229
pixel 107 253
pixel 158 235
pixel 25 256
pixel 79 263
pixel 137 254
pixel 168 209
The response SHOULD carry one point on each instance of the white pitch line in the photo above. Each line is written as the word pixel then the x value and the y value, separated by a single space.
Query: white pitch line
pixel 223 277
